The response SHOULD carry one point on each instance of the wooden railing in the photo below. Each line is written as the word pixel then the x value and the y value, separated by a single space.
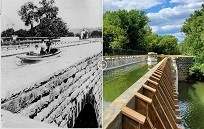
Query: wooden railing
pixel 156 103
pixel 150 103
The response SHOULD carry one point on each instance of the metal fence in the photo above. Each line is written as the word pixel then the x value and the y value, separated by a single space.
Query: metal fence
pixel 111 52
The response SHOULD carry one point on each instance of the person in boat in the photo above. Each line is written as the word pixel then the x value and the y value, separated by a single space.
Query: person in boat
pixel 43 48
pixel 48 44
pixel 36 50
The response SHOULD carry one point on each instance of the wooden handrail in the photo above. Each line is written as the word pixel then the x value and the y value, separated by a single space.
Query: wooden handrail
pixel 133 115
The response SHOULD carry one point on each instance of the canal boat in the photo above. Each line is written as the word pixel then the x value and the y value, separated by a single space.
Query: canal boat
pixel 30 56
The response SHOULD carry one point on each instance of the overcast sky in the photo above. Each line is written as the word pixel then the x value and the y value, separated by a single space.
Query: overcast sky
pixel 76 13
pixel 166 16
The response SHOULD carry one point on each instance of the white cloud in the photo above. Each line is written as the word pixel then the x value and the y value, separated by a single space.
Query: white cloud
pixel 170 27
pixel 178 13
pixel 170 20
pixel 110 5
pixel 185 1
pixel 166 28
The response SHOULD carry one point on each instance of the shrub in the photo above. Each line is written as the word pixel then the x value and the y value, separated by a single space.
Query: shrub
pixel 197 72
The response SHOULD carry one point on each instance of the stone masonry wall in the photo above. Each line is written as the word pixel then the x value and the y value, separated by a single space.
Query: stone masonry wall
pixel 114 62
pixel 59 98
pixel 183 65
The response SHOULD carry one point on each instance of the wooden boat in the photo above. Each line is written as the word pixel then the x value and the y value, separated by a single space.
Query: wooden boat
pixel 37 57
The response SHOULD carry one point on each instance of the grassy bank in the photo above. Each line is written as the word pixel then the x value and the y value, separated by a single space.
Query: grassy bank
pixel 115 86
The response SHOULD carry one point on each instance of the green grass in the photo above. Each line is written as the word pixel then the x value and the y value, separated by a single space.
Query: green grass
pixel 115 86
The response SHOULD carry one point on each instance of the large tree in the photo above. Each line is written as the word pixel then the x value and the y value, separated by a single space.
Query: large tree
pixel 193 43
pixel 28 13
pixel 194 30
pixel 129 26
pixel 49 24
pixel 47 9
pixel 51 28
pixel 168 45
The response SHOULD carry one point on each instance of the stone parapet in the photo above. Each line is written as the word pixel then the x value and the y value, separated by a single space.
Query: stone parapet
pixel 183 65
pixel 59 98
pixel 115 62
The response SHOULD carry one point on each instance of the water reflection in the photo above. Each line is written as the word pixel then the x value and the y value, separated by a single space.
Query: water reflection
pixel 107 74
pixel 114 73
pixel 191 105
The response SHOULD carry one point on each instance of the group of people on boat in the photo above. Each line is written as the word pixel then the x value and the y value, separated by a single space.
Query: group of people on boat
pixel 44 48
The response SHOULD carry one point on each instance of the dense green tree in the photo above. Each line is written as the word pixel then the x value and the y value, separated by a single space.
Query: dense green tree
pixel 194 30
pixel 163 44
pixel 114 37
pixel 168 45
pixel 152 40
pixel 125 29
pixel 193 43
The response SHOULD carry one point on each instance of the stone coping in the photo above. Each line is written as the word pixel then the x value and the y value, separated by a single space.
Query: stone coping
pixel 19 90
pixel 14 52
pixel 177 56
pixel 122 57
pixel 112 113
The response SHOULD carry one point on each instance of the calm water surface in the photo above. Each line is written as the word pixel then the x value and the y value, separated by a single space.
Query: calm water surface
pixel 114 73
pixel 191 102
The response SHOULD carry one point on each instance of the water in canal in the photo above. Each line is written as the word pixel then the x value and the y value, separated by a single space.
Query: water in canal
pixel 191 102
pixel 17 74
pixel 116 81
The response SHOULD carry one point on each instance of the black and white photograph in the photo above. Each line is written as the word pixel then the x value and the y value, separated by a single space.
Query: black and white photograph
pixel 50 56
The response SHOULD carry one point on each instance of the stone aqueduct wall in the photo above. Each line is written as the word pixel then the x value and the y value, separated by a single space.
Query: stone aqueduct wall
pixel 183 65
pixel 114 62
pixel 59 98
pixel 120 114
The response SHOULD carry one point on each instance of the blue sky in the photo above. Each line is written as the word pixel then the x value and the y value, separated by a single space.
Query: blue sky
pixel 166 16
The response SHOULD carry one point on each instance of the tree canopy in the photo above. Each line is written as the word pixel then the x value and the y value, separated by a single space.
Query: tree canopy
pixel 193 43
pixel 129 30
pixel 125 29
pixel 193 28
pixel 48 23
pixel 28 13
